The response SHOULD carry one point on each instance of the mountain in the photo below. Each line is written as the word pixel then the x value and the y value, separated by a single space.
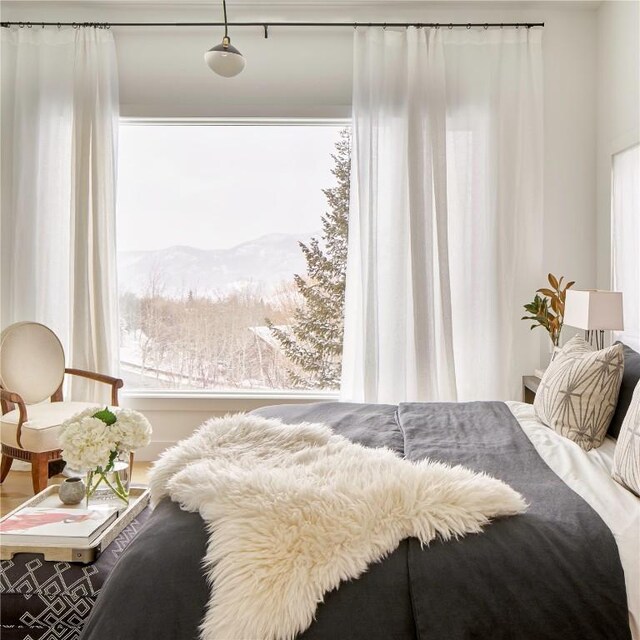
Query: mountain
pixel 260 265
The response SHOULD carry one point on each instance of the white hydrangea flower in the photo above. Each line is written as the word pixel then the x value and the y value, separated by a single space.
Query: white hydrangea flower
pixel 87 442
pixel 135 430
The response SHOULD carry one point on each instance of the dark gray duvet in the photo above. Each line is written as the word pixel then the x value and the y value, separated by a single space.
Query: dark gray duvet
pixel 552 573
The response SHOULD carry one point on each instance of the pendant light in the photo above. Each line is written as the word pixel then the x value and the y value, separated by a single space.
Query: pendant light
pixel 224 59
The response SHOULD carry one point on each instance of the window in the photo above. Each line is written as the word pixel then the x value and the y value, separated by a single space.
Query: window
pixel 231 255
pixel 625 235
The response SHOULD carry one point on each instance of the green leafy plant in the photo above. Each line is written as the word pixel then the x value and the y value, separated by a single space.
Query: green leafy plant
pixel 548 312
pixel 313 342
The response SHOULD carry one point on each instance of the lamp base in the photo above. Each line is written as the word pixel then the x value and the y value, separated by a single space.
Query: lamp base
pixel 595 337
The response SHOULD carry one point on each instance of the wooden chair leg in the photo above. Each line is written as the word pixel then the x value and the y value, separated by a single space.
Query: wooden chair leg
pixel 56 467
pixel 39 471
pixel 7 461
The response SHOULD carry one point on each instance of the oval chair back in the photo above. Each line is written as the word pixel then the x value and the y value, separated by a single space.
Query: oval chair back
pixel 32 369
pixel 31 361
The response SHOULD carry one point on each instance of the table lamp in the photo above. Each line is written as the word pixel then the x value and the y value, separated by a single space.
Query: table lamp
pixel 594 311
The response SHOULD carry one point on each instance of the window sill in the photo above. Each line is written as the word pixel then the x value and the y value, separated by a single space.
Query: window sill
pixel 227 401
pixel 249 395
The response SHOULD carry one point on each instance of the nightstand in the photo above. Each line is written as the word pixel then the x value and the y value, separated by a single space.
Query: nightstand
pixel 530 386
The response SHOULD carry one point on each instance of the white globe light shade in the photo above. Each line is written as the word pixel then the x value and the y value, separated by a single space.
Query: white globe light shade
pixel 225 60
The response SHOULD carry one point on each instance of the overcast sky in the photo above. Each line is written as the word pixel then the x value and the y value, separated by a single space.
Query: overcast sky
pixel 214 187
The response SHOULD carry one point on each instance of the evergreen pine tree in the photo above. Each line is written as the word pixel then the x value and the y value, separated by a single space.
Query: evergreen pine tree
pixel 314 341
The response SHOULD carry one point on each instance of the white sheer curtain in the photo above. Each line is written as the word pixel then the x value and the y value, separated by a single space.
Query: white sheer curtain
pixel 445 217
pixel 398 333
pixel 59 134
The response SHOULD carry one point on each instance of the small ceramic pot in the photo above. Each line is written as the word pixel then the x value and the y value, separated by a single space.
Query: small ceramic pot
pixel 72 491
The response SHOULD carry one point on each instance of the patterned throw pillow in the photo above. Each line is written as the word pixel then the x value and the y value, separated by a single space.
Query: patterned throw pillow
pixel 579 390
pixel 626 458
pixel 576 345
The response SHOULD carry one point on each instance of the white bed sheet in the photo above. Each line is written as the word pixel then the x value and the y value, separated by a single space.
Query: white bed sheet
pixel 588 473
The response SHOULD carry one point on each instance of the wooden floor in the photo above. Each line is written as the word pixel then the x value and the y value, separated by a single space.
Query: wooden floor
pixel 17 487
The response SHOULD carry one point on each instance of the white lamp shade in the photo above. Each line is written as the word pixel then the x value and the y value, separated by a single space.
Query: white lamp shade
pixel 225 60
pixel 594 309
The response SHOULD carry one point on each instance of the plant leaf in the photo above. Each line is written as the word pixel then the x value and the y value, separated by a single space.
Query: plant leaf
pixel 548 311
pixel 106 416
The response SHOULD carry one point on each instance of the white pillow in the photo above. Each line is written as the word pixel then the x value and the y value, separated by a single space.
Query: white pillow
pixel 578 392
pixel 575 345
pixel 626 457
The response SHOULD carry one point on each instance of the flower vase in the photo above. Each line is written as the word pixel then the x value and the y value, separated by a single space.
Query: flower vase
pixel 109 484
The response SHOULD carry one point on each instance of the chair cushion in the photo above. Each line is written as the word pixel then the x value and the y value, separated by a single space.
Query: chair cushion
pixel 40 432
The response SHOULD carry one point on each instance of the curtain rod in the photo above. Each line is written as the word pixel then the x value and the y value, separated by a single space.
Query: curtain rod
pixel 266 25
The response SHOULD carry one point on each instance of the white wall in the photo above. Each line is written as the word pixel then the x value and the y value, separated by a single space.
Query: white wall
pixel 307 72
pixel 618 115
pixel 174 418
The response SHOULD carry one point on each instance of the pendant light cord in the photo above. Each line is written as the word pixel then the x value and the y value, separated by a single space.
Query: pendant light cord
pixel 226 27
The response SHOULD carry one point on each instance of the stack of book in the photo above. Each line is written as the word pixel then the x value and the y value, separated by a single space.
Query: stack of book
pixel 42 525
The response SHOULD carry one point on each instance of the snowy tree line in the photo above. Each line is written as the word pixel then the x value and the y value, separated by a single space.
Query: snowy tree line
pixel 201 342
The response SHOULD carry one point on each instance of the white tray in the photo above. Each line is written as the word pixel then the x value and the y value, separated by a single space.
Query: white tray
pixel 138 500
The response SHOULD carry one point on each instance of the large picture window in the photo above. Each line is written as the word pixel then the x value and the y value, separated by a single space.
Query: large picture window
pixel 231 255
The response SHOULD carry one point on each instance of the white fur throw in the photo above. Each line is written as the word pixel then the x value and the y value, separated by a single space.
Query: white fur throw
pixel 294 510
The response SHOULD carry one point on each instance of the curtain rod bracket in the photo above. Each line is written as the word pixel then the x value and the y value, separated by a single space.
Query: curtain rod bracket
pixel 266 31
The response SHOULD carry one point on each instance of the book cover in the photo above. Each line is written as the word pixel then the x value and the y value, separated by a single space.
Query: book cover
pixel 57 526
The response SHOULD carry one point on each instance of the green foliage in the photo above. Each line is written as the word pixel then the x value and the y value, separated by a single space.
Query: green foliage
pixel 106 416
pixel 549 312
pixel 313 343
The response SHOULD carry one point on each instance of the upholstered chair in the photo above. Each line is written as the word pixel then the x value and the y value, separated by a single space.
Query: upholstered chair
pixel 32 370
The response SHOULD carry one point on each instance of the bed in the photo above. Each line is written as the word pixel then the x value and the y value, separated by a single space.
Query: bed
pixel 568 568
